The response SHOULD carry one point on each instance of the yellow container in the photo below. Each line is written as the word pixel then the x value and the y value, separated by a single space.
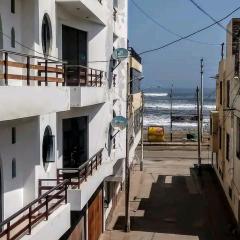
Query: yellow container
pixel 156 134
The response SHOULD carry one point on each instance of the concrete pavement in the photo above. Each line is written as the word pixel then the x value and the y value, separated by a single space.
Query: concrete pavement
pixel 170 202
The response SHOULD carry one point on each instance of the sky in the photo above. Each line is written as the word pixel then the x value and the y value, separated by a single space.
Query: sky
pixel 180 63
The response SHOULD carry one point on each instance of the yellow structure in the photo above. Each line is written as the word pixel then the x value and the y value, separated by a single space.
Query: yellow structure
pixel 156 134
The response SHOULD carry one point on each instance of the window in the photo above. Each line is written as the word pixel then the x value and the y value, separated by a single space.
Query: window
pixel 12 6
pixel 220 138
pixel 228 93
pixel 227 146
pixel 46 35
pixel 238 138
pixel 48 146
pixel 220 97
pixel 13 135
pixel 13 38
pixel 14 168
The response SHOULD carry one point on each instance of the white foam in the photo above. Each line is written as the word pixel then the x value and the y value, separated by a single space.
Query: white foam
pixel 187 106
pixel 156 94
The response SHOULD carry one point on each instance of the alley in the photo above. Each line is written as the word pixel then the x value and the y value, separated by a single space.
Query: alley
pixel 170 202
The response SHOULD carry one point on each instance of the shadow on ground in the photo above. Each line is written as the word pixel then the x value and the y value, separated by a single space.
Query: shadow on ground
pixel 190 205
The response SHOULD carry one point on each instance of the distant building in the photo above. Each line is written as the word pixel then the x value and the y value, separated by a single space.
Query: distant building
pixel 225 121
pixel 61 162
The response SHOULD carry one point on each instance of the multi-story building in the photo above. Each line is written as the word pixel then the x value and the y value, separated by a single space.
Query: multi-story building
pixel 225 121
pixel 61 163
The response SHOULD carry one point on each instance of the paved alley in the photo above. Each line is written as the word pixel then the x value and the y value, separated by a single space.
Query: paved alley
pixel 169 201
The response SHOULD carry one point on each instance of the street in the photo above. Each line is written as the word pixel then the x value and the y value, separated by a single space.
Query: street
pixel 169 201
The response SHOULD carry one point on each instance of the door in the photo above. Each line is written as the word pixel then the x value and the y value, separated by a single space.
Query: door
pixel 95 217
pixel 75 139
pixel 74 50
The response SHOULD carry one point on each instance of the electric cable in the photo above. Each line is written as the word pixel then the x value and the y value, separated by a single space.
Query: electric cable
pixel 167 29
pixel 191 34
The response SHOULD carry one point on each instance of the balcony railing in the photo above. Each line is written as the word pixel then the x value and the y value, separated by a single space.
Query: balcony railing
pixel 76 176
pixel 77 75
pixel 22 222
pixel 29 68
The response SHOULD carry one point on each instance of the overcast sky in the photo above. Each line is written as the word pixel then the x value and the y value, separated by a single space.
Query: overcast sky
pixel 179 63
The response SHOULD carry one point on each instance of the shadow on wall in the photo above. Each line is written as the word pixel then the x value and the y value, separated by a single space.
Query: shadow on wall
pixel 189 205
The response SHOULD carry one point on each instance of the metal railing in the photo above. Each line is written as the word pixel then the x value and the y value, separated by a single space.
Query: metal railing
pixel 76 176
pixel 77 75
pixel 135 55
pixel 32 68
pixel 22 222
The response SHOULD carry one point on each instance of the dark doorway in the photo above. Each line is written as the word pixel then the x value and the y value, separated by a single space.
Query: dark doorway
pixel 74 50
pixel 75 138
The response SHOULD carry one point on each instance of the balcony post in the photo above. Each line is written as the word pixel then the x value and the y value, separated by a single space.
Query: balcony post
pixel 96 78
pixel 30 220
pixel 8 231
pixel 91 83
pixel 28 70
pixel 64 74
pixel 101 75
pixel 47 213
pixel 85 173
pixel 46 72
pixel 65 187
pixel 6 68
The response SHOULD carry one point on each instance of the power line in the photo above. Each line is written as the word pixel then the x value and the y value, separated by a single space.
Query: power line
pixel 207 14
pixel 189 35
pixel 167 29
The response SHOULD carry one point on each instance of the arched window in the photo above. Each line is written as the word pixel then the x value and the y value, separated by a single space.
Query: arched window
pixel 1 35
pixel 46 35
pixel 13 38
pixel 48 146
pixel 14 168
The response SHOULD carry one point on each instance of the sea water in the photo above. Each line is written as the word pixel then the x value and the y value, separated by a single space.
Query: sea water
pixel 157 108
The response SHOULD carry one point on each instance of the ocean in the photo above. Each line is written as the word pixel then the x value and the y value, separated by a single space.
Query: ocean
pixel 157 108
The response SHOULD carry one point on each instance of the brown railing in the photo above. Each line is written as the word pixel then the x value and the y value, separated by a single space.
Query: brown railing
pixel 32 68
pixel 76 176
pixel 24 220
pixel 77 75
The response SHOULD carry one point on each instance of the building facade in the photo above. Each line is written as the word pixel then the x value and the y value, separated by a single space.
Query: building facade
pixel 225 120
pixel 61 162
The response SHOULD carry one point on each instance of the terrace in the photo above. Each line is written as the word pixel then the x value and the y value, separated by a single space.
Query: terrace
pixel 42 86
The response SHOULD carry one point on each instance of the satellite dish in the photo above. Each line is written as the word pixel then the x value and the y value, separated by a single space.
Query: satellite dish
pixel 119 122
pixel 120 54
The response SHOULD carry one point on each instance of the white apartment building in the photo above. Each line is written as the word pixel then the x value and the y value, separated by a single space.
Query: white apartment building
pixel 61 162
pixel 225 126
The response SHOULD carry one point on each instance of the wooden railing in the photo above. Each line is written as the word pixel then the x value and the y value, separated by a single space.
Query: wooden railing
pixel 76 176
pixel 77 75
pixel 30 68
pixel 24 220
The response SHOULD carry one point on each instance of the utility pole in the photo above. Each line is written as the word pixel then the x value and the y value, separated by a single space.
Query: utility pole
pixel 141 161
pixel 171 113
pixel 127 168
pixel 202 100
pixel 199 132
pixel 222 52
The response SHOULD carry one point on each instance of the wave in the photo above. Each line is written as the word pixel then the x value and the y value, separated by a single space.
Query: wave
pixel 156 94
pixel 178 106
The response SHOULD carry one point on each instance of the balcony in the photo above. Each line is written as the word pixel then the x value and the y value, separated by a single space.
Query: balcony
pixel 86 85
pixel 34 82
pixel 85 179
pixel 90 10
pixel 37 219
pixel 41 86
